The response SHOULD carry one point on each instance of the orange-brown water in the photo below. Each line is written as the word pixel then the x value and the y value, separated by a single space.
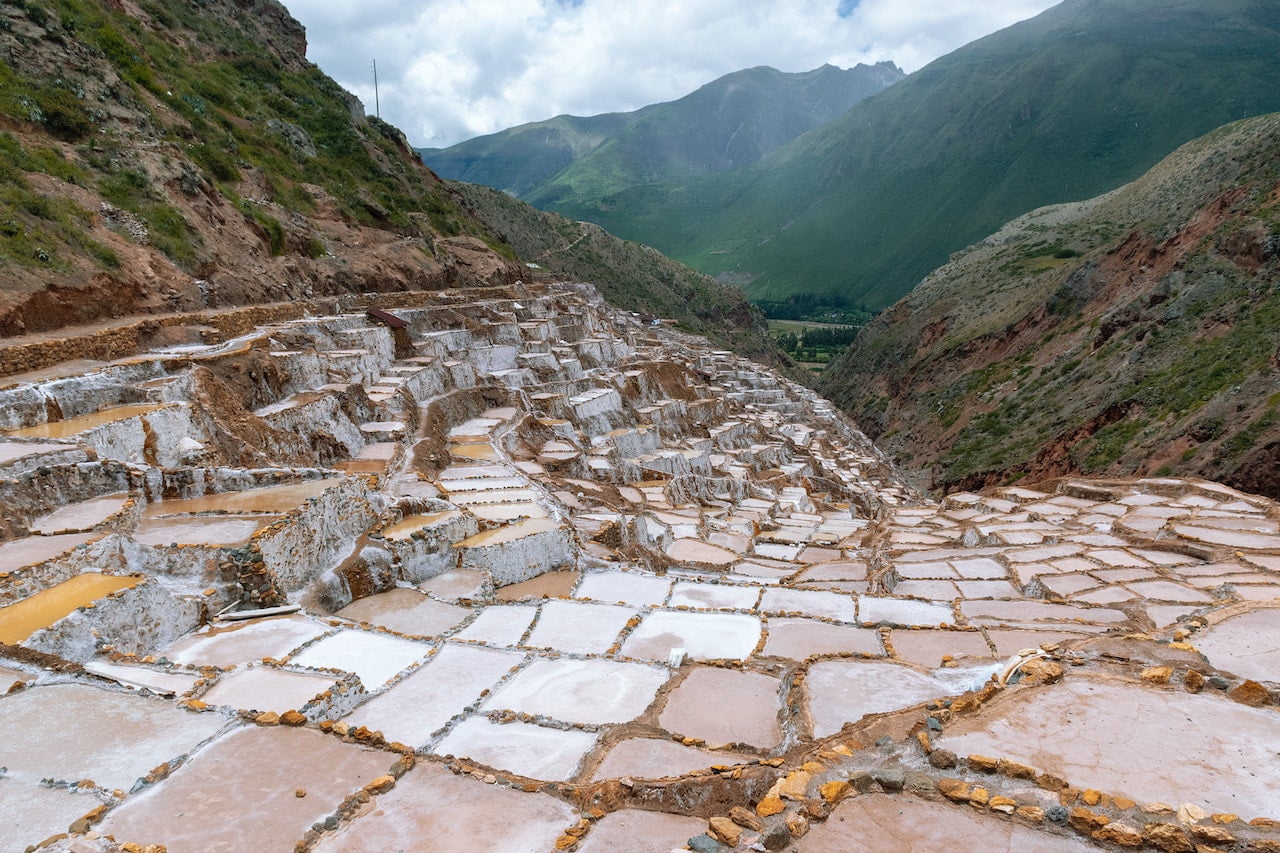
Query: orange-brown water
pixel 77 425
pixel 21 620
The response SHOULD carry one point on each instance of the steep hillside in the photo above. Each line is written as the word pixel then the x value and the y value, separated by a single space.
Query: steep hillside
pixel 177 155
pixel 567 162
pixel 629 275
pixel 1138 332
pixel 1082 98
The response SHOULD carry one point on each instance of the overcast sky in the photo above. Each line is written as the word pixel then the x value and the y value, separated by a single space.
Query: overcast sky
pixel 452 69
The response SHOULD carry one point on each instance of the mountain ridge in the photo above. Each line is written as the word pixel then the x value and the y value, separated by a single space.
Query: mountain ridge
pixel 726 123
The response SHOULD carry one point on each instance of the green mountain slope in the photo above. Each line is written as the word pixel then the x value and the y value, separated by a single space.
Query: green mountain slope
pixel 1138 332
pixel 178 155
pixel 728 123
pixel 1071 103
pixel 629 275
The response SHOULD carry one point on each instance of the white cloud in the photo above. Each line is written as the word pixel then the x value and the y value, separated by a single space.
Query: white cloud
pixel 452 69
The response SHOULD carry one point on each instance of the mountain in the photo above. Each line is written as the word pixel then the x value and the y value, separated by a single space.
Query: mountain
pixel 1135 333
pixel 630 276
pixel 1074 102
pixel 730 122
pixel 178 156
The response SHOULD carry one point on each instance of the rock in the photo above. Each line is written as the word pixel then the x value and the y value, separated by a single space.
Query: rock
pixel 300 793
pixel 1250 693
pixel 1035 814
pixel 744 818
pixel 1014 770
pixel 891 779
pixel 1086 821
pixel 1157 674
pixel 724 830
pixel 704 844
pixel 1212 834
pixel 1004 805
pixel 1120 834
pixel 954 789
pixel 1193 681
pixel 770 805
pixel 978 797
pixel 566 842
pixel 834 791
pixel 815 809
pixel 293 718
pixel 267 718
pixel 1041 671
pixel 861 780
pixel 1167 837
pixel 795 786
pixel 382 784
pixel 983 763
pixel 797 825
pixel 1058 814
pixel 1190 813
pixel 776 837
pixel 1217 682
pixel 1090 797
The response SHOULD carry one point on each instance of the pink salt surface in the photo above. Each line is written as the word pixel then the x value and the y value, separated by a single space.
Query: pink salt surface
pixel 432 809
pixel 592 692
pixel 636 831
pixel 1247 645
pixel 631 588
pixel 724 706
pixel 928 647
pixel 831 605
pixel 233 643
pixel 1146 744
pixel 705 596
pixel 1010 642
pixel 240 792
pixel 903 824
pixel 547 585
pixel 412 709
pixel 499 624
pixel 269 499
pixel 693 551
pixel 375 658
pixel 31 812
pixel 704 636
pixel 11 450
pixel 578 627
pixel 83 515
pixel 520 748
pixel 659 758
pixel 74 732
pixel 846 691
pixel 223 530
pixel 265 688
pixel 797 639
pixel 155 680
pixel 840 570
pixel 456 584
pixel 37 549
pixel 407 611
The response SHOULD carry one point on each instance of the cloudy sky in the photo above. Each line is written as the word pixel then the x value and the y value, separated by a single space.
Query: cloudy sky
pixel 452 69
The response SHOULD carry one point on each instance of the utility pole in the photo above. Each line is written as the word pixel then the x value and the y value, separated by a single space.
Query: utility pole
pixel 377 108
